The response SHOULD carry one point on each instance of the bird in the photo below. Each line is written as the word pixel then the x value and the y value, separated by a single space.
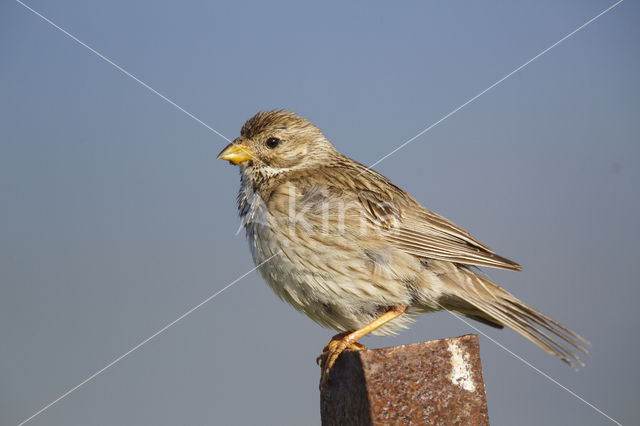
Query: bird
pixel 354 252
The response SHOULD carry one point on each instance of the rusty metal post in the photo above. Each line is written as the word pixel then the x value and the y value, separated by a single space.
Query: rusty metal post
pixel 435 383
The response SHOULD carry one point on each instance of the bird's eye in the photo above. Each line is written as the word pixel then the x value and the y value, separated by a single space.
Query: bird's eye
pixel 272 142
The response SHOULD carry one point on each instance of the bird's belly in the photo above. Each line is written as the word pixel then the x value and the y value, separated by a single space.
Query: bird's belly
pixel 337 287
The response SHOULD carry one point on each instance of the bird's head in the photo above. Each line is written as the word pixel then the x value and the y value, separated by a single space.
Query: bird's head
pixel 277 141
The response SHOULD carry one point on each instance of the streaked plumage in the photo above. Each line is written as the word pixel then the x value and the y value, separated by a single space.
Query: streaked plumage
pixel 351 245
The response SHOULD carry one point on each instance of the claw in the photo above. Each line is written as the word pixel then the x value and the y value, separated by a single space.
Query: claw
pixel 338 344
pixel 345 341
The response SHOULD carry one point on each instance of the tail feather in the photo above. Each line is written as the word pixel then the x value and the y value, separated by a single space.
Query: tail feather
pixel 494 304
pixel 546 319
pixel 528 330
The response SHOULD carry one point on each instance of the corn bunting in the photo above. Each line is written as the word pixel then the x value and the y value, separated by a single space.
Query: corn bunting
pixel 356 253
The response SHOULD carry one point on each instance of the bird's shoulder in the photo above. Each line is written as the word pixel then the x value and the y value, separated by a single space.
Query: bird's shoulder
pixel 341 177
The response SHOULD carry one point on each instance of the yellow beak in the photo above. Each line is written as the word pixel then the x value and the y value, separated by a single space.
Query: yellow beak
pixel 236 153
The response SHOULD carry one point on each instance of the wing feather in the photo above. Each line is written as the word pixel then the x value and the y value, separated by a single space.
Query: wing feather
pixel 396 216
pixel 409 226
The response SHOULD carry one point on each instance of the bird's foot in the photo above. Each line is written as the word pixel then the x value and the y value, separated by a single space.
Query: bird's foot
pixel 338 344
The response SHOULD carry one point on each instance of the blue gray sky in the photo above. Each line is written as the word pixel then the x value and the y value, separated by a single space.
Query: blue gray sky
pixel 116 218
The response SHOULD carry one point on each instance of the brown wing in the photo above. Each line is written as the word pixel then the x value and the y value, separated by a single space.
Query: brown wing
pixel 410 227
pixel 397 217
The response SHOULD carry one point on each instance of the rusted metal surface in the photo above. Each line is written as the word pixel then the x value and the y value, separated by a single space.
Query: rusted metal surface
pixel 434 383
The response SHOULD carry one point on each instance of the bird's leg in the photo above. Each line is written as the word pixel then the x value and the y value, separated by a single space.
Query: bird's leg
pixel 348 341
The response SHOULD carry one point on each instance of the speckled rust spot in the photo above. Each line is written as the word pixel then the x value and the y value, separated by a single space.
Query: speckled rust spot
pixel 433 383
